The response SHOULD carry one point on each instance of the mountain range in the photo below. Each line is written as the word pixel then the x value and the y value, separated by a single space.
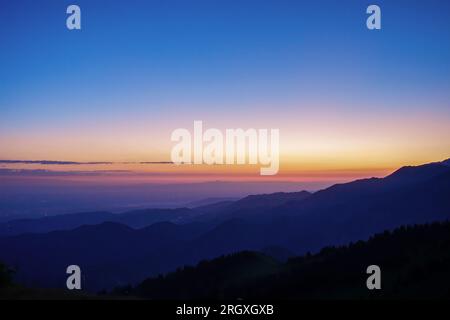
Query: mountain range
pixel 119 249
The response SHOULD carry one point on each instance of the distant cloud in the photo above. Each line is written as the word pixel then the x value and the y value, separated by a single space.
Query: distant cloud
pixel 75 162
pixel 41 172
pixel 49 162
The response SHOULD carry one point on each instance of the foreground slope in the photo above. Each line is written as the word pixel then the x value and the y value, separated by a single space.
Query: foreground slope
pixel 414 262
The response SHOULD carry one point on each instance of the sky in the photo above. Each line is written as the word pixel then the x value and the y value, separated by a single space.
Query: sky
pixel 348 101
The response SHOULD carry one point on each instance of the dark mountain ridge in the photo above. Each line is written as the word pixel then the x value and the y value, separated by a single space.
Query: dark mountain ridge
pixel 414 262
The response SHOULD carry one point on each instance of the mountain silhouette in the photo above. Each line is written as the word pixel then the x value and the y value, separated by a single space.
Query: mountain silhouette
pixel 220 210
pixel 103 252
pixel 114 253
pixel 248 208
pixel 134 218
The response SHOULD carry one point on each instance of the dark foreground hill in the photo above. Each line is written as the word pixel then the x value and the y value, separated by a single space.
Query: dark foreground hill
pixel 414 262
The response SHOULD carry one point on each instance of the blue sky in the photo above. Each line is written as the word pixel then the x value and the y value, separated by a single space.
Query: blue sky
pixel 154 59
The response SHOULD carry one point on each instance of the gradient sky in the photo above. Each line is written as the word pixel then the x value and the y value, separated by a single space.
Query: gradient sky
pixel 343 97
